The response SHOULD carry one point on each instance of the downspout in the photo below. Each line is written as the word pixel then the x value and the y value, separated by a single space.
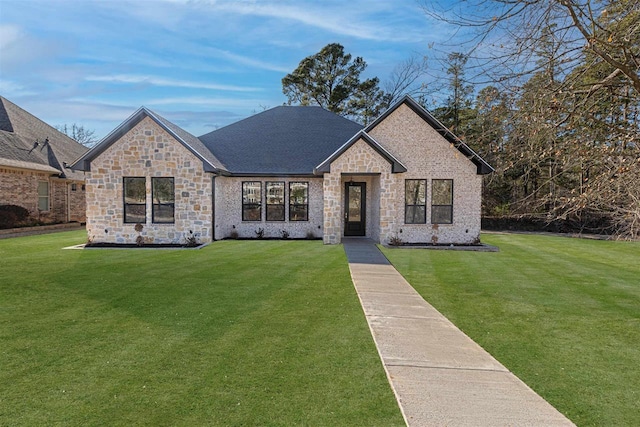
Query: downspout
pixel 68 201
pixel 213 207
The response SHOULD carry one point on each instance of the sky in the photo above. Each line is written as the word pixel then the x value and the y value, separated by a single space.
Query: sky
pixel 201 64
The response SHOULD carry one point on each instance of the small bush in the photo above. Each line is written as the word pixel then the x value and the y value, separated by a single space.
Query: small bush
pixel 310 235
pixel 233 235
pixel 259 233
pixel 285 234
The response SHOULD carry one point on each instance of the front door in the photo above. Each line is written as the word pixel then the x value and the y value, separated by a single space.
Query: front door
pixel 354 212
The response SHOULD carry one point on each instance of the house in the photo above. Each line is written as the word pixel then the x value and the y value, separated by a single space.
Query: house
pixel 34 172
pixel 289 171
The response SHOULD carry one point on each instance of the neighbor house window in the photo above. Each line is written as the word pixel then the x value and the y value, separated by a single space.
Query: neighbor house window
pixel 135 200
pixel 298 201
pixel 163 196
pixel 442 201
pixel 74 187
pixel 415 201
pixel 43 196
pixel 251 201
pixel 275 201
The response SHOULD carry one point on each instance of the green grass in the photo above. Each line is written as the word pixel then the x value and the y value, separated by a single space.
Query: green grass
pixel 562 314
pixel 235 334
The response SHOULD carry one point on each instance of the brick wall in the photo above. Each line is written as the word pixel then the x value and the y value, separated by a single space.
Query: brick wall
pixel 148 151
pixel 20 187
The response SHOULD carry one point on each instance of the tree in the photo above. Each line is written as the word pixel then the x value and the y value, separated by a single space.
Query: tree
pixel 331 79
pixel 457 111
pixel 84 136
pixel 570 149
pixel 506 34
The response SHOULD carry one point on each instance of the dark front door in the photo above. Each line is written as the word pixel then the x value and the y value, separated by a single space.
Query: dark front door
pixel 355 196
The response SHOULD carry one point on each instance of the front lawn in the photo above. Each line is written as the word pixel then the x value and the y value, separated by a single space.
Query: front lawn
pixel 240 333
pixel 562 314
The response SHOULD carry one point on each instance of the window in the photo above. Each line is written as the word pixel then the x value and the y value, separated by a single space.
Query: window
pixel 251 201
pixel 163 196
pixel 84 187
pixel 74 187
pixel 135 196
pixel 442 201
pixel 298 201
pixel 275 201
pixel 43 196
pixel 415 201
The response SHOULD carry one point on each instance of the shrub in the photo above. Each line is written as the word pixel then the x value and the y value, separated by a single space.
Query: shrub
pixel 12 216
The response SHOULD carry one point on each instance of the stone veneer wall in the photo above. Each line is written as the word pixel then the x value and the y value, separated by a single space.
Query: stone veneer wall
pixel 20 187
pixel 427 155
pixel 229 209
pixel 360 158
pixel 148 151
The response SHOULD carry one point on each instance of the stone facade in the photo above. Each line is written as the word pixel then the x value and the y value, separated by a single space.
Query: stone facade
pixel 228 202
pixel 359 163
pixel 426 155
pixel 148 151
pixel 209 203
pixel 20 187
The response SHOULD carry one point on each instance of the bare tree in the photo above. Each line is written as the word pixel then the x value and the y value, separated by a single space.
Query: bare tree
pixel 503 35
pixel 84 136
pixel 405 79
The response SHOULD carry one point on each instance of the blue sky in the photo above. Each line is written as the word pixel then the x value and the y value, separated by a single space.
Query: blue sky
pixel 202 64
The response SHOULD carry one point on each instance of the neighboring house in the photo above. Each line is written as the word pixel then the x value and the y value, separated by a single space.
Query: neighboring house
pixel 34 172
pixel 289 171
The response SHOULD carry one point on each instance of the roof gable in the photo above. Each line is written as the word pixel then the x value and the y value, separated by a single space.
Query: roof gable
pixel 325 166
pixel 285 140
pixel 190 142
pixel 27 142
pixel 482 166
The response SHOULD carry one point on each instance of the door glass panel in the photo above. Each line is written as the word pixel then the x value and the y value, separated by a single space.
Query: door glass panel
pixel 354 204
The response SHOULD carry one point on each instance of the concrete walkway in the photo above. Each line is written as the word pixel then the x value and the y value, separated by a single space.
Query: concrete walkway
pixel 439 375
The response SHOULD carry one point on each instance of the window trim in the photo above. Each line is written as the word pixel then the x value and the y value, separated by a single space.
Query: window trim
pixel 267 204
pixel 46 197
pixel 153 203
pixel 450 206
pixel 259 204
pixel 297 205
pixel 407 206
pixel 125 204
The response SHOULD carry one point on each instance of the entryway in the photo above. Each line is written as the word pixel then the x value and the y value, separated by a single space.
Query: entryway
pixel 355 200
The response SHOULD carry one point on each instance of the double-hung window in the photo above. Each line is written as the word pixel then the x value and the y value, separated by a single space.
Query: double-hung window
pixel 251 201
pixel 43 196
pixel 135 200
pixel 442 201
pixel 275 201
pixel 298 201
pixel 415 201
pixel 163 196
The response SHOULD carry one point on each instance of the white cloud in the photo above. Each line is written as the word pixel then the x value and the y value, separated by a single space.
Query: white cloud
pixel 160 81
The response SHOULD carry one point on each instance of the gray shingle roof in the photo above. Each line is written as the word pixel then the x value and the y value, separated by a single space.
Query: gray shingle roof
pixel 19 130
pixel 287 140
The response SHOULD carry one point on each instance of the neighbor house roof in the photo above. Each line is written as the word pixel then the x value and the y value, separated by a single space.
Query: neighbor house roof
pixel 287 140
pixel 27 142
pixel 483 167
pixel 190 142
